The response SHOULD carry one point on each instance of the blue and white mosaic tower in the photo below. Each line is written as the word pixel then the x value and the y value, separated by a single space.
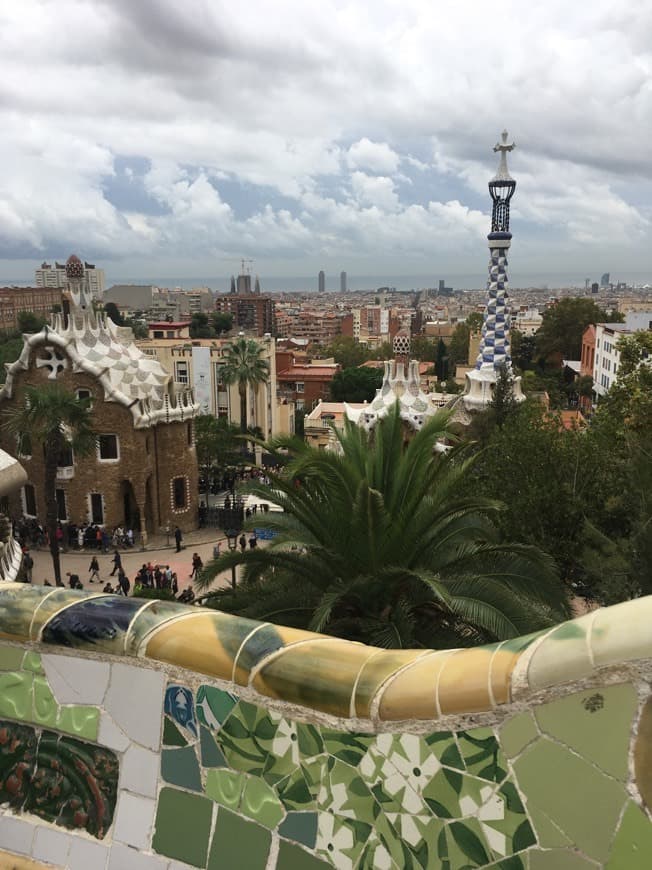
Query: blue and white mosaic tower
pixel 494 353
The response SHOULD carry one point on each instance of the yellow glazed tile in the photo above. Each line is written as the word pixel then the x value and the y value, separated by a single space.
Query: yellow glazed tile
pixel 375 672
pixel 464 682
pixel 265 640
pixel 501 668
pixel 412 694
pixel 622 632
pixel 562 656
pixel 643 755
pixel 194 642
pixel 317 673
pixel 17 862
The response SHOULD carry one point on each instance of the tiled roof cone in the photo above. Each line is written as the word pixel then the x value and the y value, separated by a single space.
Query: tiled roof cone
pixel 494 353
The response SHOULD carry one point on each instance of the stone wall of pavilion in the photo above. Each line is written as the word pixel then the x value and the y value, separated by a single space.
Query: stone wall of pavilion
pixel 141 735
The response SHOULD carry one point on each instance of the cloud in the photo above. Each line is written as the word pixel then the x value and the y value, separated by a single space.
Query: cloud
pixel 375 156
pixel 322 129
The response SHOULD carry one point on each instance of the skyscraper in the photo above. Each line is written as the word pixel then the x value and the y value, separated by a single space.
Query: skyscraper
pixel 342 282
pixel 322 281
pixel 494 354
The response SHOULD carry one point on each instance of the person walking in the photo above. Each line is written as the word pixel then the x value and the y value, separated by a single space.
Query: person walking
pixel 123 582
pixel 94 570
pixel 28 565
pixel 253 541
pixel 242 540
pixel 197 565
pixel 117 563
pixel 178 537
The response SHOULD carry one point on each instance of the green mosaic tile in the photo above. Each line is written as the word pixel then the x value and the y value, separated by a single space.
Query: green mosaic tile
pixel 180 767
pixel 46 709
pixel 314 772
pixel 213 706
pixel 301 827
pixel 561 859
pixel 183 825
pixel 345 745
pixel 239 741
pixel 410 840
pixel 442 794
pixel 278 738
pixel 442 744
pixel 79 721
pixel 291 857
pixel 225 787
pixel 11 658
pixel 171 734
pixel 341 841
pixel 548 834
pixel 632 847
pixel 582 720
pixel 211 755
pixel 310 740
pixel 345 793
pixel 482 754
pixel 16 695
pixel 32 662
pixel 294 793
pixel 564 797
pixel 517 732
pixel 238 842
pixel 261 803
pixel 465 844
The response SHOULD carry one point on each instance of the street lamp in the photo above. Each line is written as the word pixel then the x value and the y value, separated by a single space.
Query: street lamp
pixel 232 540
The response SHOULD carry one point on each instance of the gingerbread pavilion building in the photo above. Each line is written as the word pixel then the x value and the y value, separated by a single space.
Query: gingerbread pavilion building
pixel 143 473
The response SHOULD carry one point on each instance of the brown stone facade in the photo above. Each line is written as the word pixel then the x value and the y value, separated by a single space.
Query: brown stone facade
pixel 152 483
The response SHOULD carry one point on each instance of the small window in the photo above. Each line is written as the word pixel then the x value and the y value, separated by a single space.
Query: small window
pixel 24 445
pixel 97 508
pixel 299 387
pixel 180 493
pixel 62 511
pixel 181 372
pixel 108 448
pixel 158 333
pixel 189 434
pixel 147 444
pixel 66 458
pixel 29 500
pixel 84 394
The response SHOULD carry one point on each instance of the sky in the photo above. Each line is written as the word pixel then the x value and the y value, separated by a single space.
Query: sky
pixel 155 137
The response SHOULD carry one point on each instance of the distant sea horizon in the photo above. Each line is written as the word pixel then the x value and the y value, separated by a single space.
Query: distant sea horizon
pixel 370 283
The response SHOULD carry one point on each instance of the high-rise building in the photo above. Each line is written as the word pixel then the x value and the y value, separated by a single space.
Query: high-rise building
pixel 342 282
pixel 494 354
pixel 55 276
pixel 604 281
pixel 322 281
pixel 251 311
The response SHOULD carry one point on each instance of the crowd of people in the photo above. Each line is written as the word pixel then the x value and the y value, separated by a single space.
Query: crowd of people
pixel 71 536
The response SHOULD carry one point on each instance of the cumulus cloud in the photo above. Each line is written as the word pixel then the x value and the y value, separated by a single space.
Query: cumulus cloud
pixel 321 130
pixel 376 156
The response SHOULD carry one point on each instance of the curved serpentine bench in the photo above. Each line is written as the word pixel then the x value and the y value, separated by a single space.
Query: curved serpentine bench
pixel 284 748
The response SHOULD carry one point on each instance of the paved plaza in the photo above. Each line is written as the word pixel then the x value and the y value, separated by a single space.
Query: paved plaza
pixel 78 561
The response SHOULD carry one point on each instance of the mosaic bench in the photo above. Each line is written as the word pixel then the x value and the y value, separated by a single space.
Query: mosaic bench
pixel 145 735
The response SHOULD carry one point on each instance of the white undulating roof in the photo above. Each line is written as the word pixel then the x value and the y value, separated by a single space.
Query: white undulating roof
pixel 95 345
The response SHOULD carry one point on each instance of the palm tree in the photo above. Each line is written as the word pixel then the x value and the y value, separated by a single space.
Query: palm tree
pixel 244 366
pixel 57 419
pixel 376 544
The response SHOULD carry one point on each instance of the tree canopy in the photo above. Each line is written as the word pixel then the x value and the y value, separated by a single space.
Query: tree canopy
pixel 377 544
pixel 560 333
pixel 244 366
pixel 357 384
pixel 54 418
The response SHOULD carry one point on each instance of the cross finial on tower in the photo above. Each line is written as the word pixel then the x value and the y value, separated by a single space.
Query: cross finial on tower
pixel 503 147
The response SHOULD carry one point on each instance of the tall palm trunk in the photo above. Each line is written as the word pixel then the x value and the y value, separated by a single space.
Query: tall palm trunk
pixel 242 389
pixel 52 451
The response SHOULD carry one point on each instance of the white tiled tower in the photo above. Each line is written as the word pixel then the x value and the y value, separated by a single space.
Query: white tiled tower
pixel 494 353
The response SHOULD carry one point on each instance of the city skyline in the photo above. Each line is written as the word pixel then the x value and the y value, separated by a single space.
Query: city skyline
pixel 159 140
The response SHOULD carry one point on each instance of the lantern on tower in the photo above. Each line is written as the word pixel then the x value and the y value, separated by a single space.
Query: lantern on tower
pixel 501 189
